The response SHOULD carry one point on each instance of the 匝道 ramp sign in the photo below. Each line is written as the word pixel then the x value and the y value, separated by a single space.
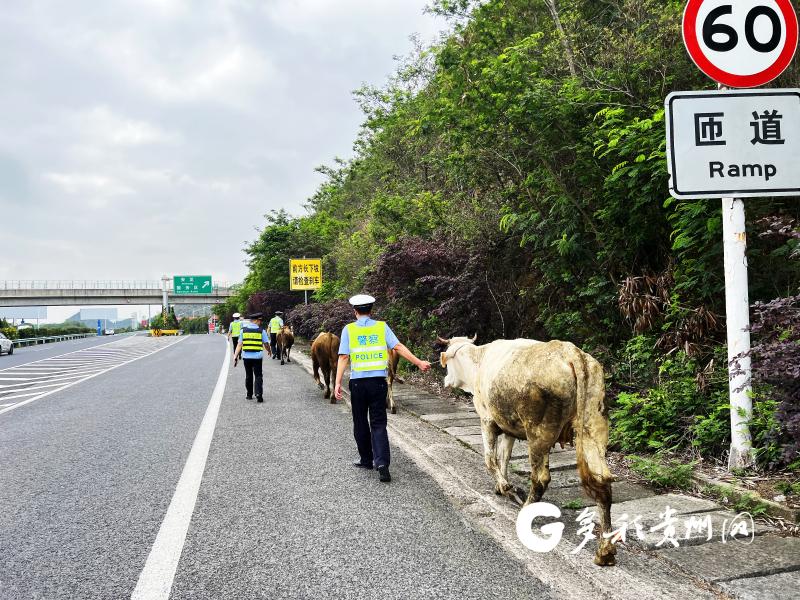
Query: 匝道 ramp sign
pixel 741 43
pixel 735 144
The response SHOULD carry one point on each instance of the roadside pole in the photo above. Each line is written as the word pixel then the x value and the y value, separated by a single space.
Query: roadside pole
pixel 164 298
pixel 737 310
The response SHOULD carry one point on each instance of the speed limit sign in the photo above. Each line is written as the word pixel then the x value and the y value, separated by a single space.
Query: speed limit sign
pixel 740 43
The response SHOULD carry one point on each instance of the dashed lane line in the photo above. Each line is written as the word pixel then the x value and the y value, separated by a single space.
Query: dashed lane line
pixel 155 580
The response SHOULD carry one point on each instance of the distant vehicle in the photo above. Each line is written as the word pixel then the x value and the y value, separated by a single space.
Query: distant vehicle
pixel 109 332
pixel 6 345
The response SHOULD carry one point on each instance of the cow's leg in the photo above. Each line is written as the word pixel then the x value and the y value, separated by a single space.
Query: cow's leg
pixel 390 396
pixel 288 354
pixel 539 456
pixel 315 365
pixel 326 372
pixel 490 431
pixel 504 448
pixel 331 378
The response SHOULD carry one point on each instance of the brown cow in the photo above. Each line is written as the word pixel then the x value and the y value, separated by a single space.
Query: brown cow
pixel 325 356
pixel 542 392
pixel 285 340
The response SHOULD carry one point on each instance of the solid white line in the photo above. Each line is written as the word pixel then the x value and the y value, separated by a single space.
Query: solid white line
pixel 155 580
pixel 122 364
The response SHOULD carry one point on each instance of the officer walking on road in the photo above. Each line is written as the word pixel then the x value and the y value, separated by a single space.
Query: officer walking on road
pixel 275 325
pixel 234 330
pixel 366 344
pixel 252 343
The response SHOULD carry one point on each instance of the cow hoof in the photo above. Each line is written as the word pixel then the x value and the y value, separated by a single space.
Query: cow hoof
pixel 322 387
pixel 394 410
pixel 503 489
pixel 333 400
pixel 282 363
pixel 606 554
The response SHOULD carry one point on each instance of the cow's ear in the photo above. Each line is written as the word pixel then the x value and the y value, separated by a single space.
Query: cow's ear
pixel 443 358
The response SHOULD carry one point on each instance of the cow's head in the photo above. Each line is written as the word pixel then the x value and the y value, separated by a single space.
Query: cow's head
pixel 459 361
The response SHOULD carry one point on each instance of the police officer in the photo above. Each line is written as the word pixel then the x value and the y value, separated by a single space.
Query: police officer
pixel 366 344
pixel 234 330
pixel 252 343
pixel 275 324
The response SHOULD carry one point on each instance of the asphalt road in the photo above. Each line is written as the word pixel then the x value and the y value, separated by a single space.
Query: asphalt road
pixel 88 474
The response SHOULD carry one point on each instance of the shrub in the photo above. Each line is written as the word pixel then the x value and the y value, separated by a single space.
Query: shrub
pixel 776 378
pixel 312 319
pixel 194 324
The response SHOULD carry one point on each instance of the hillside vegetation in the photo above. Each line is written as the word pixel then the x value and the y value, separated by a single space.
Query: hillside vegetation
pixel 510 181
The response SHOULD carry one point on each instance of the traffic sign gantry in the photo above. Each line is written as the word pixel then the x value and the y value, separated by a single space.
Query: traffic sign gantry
pixel 741 43
pixel 192 284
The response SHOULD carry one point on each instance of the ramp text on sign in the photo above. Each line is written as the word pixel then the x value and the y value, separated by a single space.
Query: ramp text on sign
pixel 734 144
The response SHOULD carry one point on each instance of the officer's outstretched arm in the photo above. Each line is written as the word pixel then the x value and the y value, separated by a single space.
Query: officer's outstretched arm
pixel 423 365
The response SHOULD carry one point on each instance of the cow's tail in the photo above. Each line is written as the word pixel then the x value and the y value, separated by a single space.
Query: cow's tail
pixel 591 428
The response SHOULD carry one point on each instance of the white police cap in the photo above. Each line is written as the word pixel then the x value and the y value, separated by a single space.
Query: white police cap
pixel 362 300
pixel 236 315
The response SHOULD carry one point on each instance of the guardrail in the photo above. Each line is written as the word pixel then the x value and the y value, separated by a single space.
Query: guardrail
pixel 50 338
pixel 74 284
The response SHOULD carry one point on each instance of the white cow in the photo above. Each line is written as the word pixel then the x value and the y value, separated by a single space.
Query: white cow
pixel 542 392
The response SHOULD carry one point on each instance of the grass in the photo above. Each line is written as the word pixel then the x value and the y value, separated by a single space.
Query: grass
pixel 664 473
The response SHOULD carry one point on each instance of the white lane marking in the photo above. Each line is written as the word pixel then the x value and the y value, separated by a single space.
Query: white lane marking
pixel 122 364
pixel 155 580
pixel 60 355
pixel 33 380
pixel 25 388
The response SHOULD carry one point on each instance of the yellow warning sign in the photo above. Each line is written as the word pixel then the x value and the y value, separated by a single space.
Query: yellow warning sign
pixel 305 273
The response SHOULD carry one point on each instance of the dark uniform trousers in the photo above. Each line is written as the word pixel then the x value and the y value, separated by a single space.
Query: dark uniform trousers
pixel 368 400
pixel 235 342
pixel 252 369
pixel 273 344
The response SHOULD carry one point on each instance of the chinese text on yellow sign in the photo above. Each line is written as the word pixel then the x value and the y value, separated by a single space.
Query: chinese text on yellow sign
pixel 305 273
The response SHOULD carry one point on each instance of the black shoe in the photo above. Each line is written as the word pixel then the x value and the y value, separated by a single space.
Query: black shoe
pixel 384 474
pixel 259 398
pixel 362 465
pixel 249 397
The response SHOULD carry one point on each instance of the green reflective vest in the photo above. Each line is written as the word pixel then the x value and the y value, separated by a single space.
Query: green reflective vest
pixel 275 325
pixel 368 350
pixel 252 340
pixel 236 328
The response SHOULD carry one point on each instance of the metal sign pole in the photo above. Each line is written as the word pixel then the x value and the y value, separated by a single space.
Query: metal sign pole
pixel 737 308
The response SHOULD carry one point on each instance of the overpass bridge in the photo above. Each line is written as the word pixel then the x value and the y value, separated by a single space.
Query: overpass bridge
pixel 87 293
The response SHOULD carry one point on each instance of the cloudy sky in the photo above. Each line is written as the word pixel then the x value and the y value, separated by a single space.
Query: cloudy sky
pixel 143 137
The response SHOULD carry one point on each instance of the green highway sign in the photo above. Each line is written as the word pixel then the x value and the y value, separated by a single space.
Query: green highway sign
pixel 192 284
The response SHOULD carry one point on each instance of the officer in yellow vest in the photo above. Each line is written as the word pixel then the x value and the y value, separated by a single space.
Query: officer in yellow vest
pixel 366 344
pixel 275 324
pixel 252 343
pixel 235 330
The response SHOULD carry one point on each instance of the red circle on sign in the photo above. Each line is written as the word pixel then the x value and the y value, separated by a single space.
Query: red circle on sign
pixel 731 79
